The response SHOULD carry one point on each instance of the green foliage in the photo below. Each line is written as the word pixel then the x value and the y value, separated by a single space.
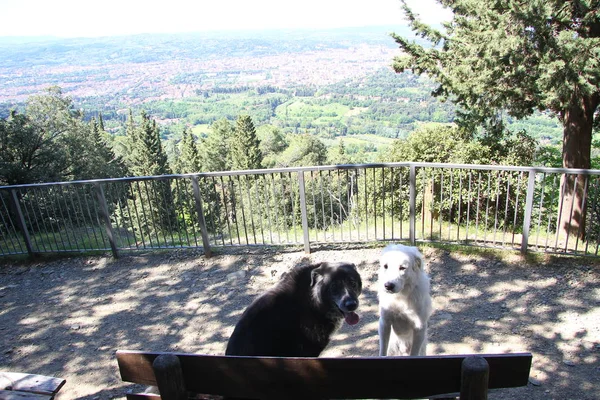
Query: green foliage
pixel 216 149
pixel 518 56
pixel 303 150
pixel 246 146
pixel 189 157
pixel 52 142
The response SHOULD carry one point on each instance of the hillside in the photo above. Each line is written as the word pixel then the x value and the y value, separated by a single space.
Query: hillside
pixel 330 82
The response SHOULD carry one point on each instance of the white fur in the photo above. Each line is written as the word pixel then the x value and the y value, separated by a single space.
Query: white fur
pixel 405 309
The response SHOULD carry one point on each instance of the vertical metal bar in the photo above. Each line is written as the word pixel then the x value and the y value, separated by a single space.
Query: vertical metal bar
pixel 594 205
pixel 275 208
pixel 285 227
pixel 583 205
pixel 66 220
pixel 268 207
pixel 550 215
pixel 424 190
pixel 559 217
pixel 375 202
pixel 478 204
pixel 243 211
pixel 539 223
pixel 104 212
pixel 469 206
pixel 366 207
pixel 487 206
pixel 10 224
pixel 518 192
pixel 322 206
pixel 341 208
pixel 392 181
pixel 32 217
pixel 201 221
pixel 234 208
pixel 451 204
pixel 246 178
pixel 167 207
pixel 303 212
pixel 412 203
pixel 440 219
pixel 571 212
pixel 331 200
pixel 528 210
pixel 137 214
pixel 36 191
pixel 401 198
pixel 152 215
pixel 316 223
pixel 21 222
pixel 294 205
pixel 93 221
pixel 260 207
pixel 348 206
pixel 226 211
pixel 83 215
pixel 182 196
pixel 498 178
pixel 506 204
pixel 460 192
pixel 383 201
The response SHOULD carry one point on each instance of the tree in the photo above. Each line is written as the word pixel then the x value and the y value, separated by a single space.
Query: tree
pixel 189 158
pixel 246 146
pixel 148 158
pixel 518 56
pixel 216 154
pixel 304 150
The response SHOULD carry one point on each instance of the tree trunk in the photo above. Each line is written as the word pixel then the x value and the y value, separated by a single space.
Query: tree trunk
pixel 577 145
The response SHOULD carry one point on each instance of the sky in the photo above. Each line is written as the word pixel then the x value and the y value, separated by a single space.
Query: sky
pixel 76 18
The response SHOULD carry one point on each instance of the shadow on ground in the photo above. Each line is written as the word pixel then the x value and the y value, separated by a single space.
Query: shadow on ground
pixel 67 317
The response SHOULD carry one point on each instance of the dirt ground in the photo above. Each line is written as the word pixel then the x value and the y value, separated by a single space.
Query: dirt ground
pixel 66 317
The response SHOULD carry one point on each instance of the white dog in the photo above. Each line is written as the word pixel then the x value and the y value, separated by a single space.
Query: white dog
pixel 404 302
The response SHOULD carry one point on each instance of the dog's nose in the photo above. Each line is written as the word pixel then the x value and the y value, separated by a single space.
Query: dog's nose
pixel 350 304
pixel 388 286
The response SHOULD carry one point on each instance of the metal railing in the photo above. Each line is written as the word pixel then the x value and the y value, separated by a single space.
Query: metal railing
pixel 517 208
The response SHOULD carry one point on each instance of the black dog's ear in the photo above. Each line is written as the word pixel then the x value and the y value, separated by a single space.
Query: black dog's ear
pixel 317 274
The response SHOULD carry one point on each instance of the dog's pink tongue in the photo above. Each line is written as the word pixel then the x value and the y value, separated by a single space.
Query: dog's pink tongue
pixel 351 318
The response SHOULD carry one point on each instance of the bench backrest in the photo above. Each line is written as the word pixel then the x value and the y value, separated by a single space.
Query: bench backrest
pixel 314 378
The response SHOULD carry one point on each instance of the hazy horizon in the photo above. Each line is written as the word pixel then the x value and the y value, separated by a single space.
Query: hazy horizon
pixel 71 19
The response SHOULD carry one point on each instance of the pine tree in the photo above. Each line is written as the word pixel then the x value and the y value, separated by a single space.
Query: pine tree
pixel 216 154
pixel 189 159
pixel 148 158
pixel 246 146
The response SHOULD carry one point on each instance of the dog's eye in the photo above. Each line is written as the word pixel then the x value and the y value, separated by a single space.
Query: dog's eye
pixel 402 268
pixel 384 266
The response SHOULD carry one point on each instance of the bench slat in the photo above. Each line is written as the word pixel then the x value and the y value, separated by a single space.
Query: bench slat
pixel 351 378
pixel 16 381
pixel 16 395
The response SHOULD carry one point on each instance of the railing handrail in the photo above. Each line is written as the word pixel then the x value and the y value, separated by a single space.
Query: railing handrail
pixel 320 168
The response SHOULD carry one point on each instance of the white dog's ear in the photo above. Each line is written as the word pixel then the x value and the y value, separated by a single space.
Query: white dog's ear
pixel 419 259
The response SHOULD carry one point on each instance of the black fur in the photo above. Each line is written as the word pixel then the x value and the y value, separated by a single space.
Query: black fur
pixel 298 315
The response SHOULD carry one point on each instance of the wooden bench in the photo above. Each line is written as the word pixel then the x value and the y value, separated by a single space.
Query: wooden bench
pixel 180 376
pixel 18 386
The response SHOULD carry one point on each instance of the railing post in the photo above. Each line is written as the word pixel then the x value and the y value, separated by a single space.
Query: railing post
pixel 106 217
pixel 201 220
pixel 528 211
pixel 412 204
pixel 303 211
pixel 21 221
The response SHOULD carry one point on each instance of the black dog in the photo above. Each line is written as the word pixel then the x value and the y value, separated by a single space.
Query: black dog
pixel 297 317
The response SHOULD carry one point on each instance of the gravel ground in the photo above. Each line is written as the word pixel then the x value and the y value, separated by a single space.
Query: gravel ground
pixel 66 317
